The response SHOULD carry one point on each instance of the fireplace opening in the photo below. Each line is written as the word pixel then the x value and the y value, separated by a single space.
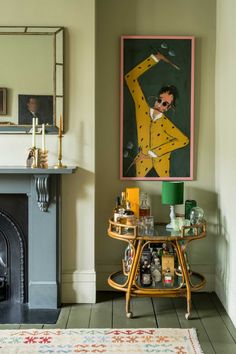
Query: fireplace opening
pixel 13 248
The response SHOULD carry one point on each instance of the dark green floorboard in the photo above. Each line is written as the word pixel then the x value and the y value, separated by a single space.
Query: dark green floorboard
pixel 195 322
pixel 220 338
pixel 216 332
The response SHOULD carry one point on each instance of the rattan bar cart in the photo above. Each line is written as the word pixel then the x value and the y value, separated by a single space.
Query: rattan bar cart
pixel 130 284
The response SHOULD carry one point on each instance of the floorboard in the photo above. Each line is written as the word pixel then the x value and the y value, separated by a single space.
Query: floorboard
pixel 143 315
pixel 227 321
pixel 9 326
pixel 79 316
pixel 165 313
pixel 217 331
pixel 101 313
pixel 62 319
pixel 31 326
pixel 195 322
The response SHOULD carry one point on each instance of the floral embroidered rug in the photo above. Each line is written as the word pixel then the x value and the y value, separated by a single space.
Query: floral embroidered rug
pixel 146 340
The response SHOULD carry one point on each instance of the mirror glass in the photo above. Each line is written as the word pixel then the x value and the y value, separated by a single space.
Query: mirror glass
pixel 31 78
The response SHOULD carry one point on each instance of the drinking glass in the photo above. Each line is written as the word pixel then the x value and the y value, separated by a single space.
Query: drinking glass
pixel 149 225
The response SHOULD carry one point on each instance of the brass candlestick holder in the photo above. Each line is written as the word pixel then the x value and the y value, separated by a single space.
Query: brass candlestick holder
pixel 59 163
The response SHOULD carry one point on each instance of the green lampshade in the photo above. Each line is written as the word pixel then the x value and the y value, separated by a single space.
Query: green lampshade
pixel 172 193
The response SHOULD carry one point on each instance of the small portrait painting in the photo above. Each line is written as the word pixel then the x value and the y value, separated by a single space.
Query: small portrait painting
pixel 35 106
pixel 3 101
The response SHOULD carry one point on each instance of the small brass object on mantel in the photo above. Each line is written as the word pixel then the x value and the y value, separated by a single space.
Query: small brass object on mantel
pixel 60 136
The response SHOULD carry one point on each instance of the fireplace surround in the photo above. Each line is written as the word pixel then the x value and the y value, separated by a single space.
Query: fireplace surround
pixel 38 245
pixel 13 247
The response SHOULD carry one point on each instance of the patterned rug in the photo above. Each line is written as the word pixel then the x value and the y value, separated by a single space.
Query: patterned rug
pixel 161 340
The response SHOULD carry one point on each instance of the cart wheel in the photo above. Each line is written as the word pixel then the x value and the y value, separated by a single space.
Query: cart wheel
pixel 187 316
pixel 129 314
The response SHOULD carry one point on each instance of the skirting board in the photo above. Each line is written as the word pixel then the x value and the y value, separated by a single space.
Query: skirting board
pixel 104 270
pixel 78 287
pixel 227 297
pixel 43 295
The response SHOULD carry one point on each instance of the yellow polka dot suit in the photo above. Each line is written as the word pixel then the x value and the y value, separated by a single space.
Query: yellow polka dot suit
pixel 157 136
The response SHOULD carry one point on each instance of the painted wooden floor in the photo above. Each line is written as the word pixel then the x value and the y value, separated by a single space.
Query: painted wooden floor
pixel 215 330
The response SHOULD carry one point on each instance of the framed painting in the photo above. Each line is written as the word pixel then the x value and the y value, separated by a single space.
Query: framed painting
pixel 3 101
pixel 157 108
pixel 35 106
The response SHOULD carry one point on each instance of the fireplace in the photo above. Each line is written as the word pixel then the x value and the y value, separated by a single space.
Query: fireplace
pixel 14 248
pixel 30 227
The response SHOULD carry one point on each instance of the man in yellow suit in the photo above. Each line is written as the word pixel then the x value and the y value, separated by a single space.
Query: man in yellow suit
pixel 157 135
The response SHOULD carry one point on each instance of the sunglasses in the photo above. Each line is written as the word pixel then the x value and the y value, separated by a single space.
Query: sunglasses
pixel 163 103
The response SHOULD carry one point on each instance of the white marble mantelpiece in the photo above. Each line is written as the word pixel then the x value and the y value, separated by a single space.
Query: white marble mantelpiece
pixel 43 189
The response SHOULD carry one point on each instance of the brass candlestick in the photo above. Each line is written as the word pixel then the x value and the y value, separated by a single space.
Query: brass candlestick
pixel 59 163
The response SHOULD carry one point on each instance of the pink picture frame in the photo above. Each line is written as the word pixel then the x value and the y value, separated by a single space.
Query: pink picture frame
pixel 157 108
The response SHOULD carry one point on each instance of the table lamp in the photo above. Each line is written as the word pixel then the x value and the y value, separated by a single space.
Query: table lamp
pixel 172 194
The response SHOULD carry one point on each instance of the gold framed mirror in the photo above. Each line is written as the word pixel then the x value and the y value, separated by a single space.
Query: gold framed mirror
pixel 31 75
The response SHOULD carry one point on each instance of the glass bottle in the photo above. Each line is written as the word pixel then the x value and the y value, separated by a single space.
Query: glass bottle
pixel 144 207
pixel 128 215
pixel 156 271
pixel 128 259
pixel 168 278
pixel 145 274
pixel 123 200
pixel 116 210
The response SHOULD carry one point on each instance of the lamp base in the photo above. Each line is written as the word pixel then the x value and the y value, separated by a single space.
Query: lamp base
pixel 169 226
pixel 172 217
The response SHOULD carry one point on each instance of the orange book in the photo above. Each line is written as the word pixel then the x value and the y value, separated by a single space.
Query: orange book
pixel 132 195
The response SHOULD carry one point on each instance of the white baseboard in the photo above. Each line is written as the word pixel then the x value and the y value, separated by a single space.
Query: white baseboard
pixel 227 297
pixel 104 270
pixel 78 287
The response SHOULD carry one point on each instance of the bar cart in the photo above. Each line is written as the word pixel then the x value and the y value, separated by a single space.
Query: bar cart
pixel 129 283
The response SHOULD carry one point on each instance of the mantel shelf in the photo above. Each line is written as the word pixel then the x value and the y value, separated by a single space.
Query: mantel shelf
pixel 41 177
pixel 37 171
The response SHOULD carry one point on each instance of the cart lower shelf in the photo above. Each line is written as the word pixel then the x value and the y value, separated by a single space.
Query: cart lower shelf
pixel 120 282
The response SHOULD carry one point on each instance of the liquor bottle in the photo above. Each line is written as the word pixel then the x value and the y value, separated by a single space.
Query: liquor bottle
pixel 116 210
pixel 123 200
pixel 168 278
pixel 128 215
pixel 156 271
pixel 144 207
pixel 145 274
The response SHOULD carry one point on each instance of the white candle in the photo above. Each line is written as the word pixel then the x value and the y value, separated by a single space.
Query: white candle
pixel 36 121
pixel 43 137
pixel 33 132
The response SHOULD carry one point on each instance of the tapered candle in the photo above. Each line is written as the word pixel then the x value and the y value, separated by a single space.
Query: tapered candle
pixel 33 132
pixel 43 137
